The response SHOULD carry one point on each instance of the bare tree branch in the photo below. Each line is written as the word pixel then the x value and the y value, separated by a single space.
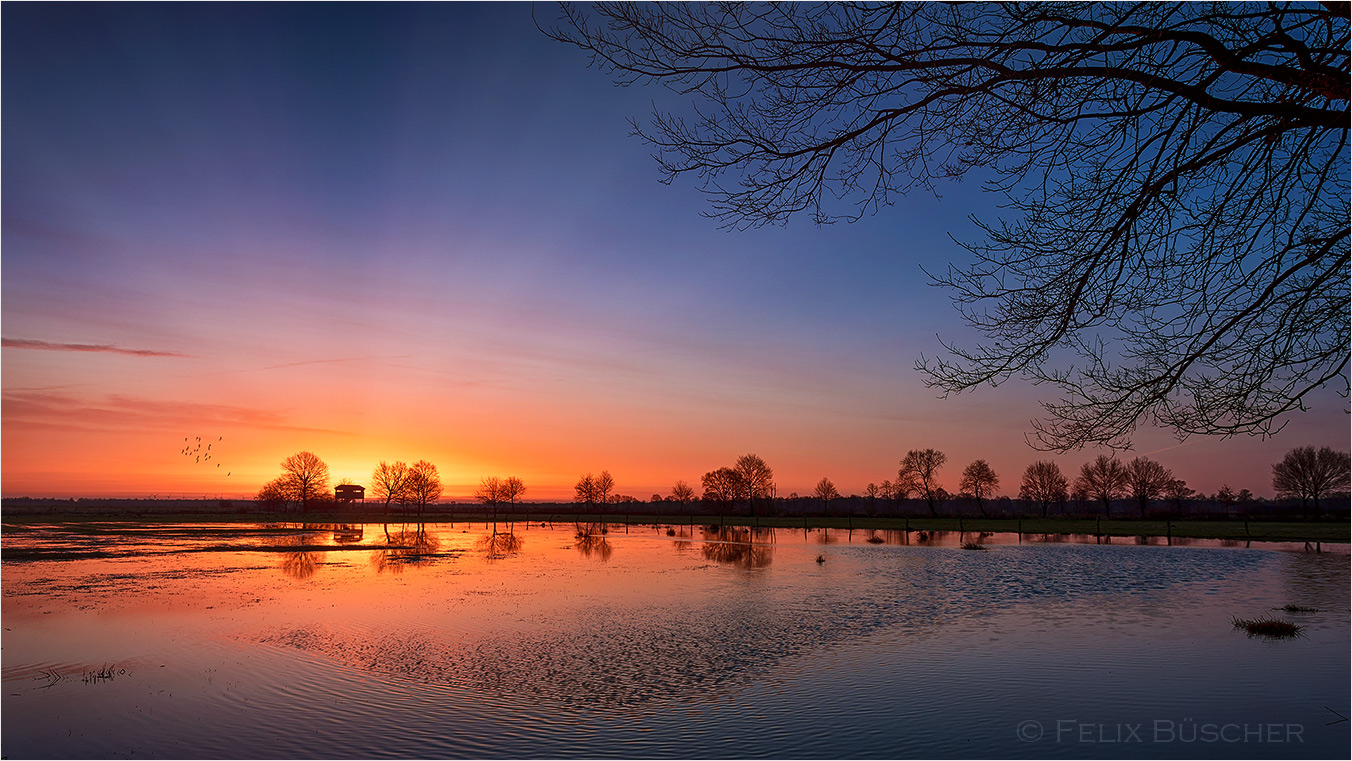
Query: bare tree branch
pixel 1174 241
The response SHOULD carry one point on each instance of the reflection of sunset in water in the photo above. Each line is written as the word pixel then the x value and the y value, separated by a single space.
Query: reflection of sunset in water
pixel 498 545
pixel 659 643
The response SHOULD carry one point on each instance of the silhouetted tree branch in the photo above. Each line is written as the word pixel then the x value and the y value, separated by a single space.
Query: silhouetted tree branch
pixel 1174 246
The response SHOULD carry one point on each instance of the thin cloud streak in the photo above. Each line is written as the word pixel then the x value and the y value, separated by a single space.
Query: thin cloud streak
pixel 331 361
pixel 118 413
pixel 27 343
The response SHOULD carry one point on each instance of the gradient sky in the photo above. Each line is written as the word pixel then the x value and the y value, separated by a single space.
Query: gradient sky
pixel 424 232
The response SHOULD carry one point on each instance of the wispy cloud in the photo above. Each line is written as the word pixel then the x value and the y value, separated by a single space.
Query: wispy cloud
pixel 27 343
pixel 122 413
pixel 330 361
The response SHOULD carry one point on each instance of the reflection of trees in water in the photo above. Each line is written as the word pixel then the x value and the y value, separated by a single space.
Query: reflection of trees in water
pixel 591 529
pixel 347 533
pixel 405 547
pixel 293 534
pixel 742 547
pixel 499 544
pixel 300 565
pixel 594 545
pixel 1315 580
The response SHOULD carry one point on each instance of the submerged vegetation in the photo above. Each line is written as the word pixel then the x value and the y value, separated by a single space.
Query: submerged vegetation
pixel 105 674
pixel 1268 627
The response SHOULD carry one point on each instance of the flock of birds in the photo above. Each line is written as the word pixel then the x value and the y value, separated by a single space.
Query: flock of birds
pixel 194 450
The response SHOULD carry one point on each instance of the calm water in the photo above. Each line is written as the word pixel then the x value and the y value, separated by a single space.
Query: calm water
pixel 252 641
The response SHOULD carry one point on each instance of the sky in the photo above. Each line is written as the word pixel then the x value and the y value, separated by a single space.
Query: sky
pixel 424 231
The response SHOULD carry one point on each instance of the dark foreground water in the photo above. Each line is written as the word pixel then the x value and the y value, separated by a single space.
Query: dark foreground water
pixel 252 641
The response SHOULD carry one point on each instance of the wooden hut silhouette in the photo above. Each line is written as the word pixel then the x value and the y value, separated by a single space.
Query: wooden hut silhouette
pixel 349 493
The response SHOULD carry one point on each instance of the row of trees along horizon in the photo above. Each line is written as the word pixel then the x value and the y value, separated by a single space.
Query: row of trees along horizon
pixel 1306 474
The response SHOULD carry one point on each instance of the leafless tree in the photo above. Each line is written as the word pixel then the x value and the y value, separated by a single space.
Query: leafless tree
pixel 491 492
pixel 388 482
pixel 1044 483
pixel 1147 480
pixel 585 490
pixel 1176 491
pixel 494 491
pixel 1080 495
pixel 980 481
pixel 920 472
pixel 305 478
pixel 513 489
pixel 871 491
pixel 1226 498
pixel 888 491
pixel 1310 474
pixel 273 494
pixel 1173 178
pixel 826 491
pixel 722 487
pixel 682 492
pixel 424 485
pixel 757 479
pixel 1103 480
pixel 603 484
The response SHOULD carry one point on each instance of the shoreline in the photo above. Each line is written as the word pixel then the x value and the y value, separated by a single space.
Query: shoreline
pixel 1337 531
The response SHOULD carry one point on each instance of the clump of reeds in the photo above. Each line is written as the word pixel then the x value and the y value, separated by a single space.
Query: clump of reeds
pixel 1272 628
pixel 973 546
pixel 875 539
pixel 105 673
pixel 671 532
pixel 1297 609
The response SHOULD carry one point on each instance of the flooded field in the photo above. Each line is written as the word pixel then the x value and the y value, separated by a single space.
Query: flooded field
pixel 267 641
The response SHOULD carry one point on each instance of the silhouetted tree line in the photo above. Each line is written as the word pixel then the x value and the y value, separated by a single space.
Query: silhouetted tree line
pixel 305 483
pixel 1308 475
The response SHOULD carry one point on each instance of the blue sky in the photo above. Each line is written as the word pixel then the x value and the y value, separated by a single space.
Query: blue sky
pixel 397 231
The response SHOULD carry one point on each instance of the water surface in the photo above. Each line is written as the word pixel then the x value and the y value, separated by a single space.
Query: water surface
pixel 249 641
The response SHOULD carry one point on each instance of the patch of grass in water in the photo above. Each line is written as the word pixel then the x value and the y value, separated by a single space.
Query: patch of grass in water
pixel 973 546
pixel 1268 627
pixel 107 673
pixel 875 539
pixel 1297 609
